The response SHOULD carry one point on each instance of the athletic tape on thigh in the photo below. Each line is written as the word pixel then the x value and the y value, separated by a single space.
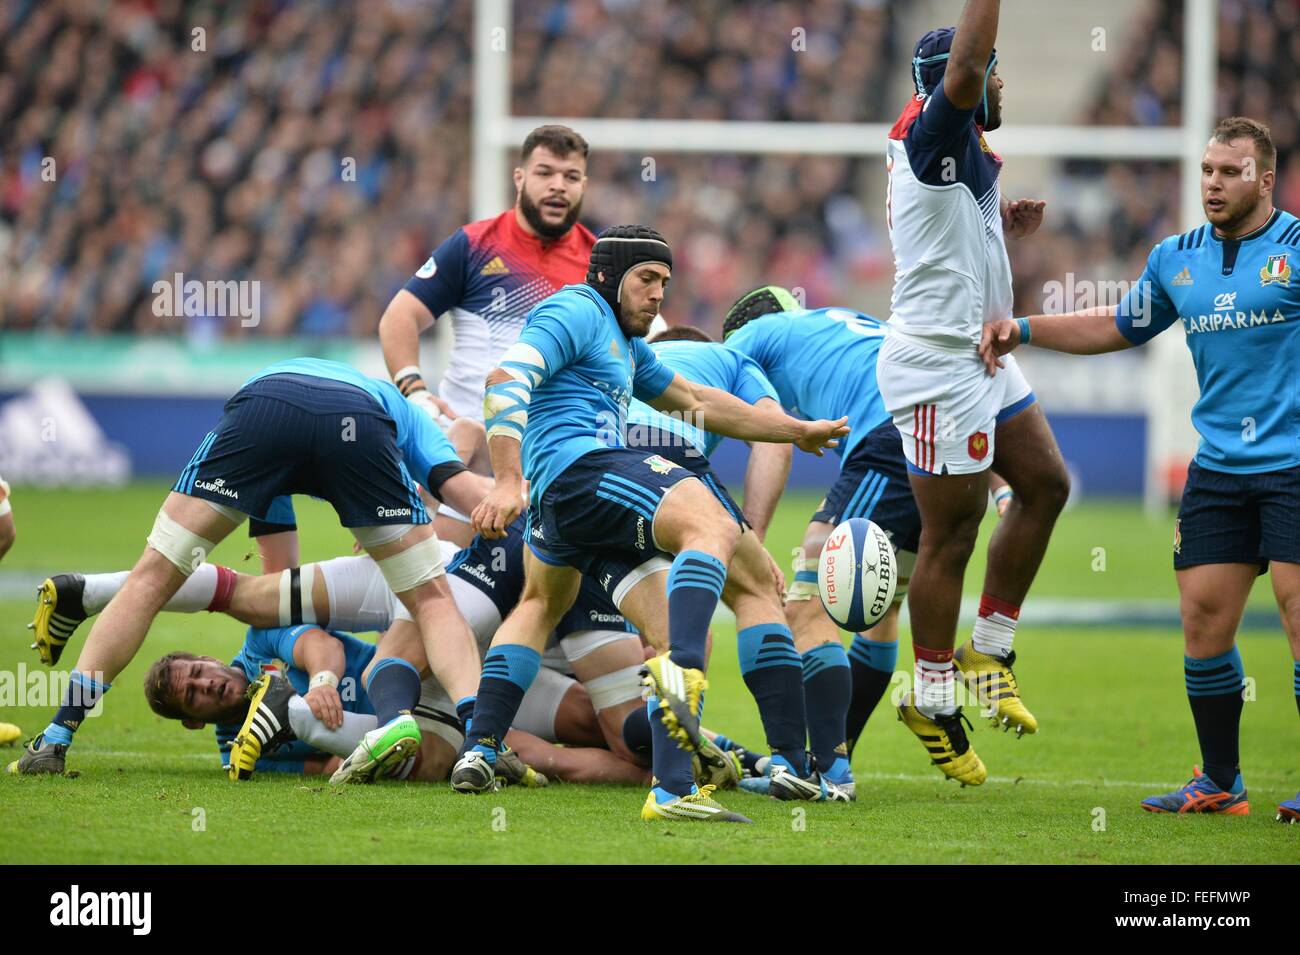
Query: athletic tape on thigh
pixel 379 535
pixel 418 564
pixel 804 585
pixel 580 643
pixel 639 573
pixel 185 549
pixel 229 513
pixel 615 688
pixel 295 595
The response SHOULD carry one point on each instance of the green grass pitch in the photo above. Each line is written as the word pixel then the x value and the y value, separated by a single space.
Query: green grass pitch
pixel 1115 727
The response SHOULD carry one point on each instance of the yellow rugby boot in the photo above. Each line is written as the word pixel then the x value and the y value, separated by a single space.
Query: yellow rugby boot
pixel 945 741
pixel 699 806
pixel 994 684
pixel 680 691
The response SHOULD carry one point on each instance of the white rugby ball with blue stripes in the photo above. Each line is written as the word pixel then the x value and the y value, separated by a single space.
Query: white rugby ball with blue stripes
pixel 857 575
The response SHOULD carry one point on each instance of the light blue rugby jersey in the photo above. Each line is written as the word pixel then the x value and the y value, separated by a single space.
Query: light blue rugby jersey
pixel 823 365
pixel 265 646
pixel 706 363
pixel 1239 304
pixel 592 370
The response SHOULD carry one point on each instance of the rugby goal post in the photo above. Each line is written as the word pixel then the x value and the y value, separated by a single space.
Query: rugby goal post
pixel 1170 389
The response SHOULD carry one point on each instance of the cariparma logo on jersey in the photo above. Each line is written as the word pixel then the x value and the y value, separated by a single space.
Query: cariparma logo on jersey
pixel 1276 271
pixel 978 445
pixel 660 465
pixel 427 269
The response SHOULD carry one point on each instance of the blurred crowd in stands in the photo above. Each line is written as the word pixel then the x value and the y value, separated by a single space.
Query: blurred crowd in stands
pixel 323 148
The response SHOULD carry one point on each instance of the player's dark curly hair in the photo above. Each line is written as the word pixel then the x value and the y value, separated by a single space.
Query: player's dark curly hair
pixel 560 140
pixel 752 305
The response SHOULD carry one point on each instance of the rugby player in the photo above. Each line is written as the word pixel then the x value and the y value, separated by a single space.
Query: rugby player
pixel 314 728
pixel 489 274
pixel 769 663
pixel 578 362
pixel 948 223
pixel 818 361
pixel 298 426
pixel 1230 284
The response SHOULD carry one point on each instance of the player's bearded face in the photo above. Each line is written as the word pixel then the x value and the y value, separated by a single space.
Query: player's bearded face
pixel 208 691
pixel 1231 184
pixel 550 191
pixel 640 298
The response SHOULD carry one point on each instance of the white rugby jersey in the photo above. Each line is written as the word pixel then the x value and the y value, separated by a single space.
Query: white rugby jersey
pixel 487 277
pixel 951 273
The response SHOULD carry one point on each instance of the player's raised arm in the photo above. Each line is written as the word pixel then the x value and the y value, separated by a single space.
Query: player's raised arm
pixel 968 60
pixel 727 415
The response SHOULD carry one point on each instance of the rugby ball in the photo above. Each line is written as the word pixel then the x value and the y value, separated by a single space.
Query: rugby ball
pixel 857 575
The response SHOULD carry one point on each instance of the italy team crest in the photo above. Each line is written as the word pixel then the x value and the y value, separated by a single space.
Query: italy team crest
pixel 977 445
pixel 660 465
pixel 1277 271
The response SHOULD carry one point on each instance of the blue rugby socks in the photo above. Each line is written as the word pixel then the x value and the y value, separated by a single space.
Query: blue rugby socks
pixel 1214 687
pixel 79 698
pixel 695 584
pixel 672 765
pixel 393 688
pixel 872 664
pixel 827 686
pixel 772 670
pixel 508 672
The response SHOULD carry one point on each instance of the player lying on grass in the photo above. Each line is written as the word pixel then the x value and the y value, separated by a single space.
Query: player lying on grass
pixel 822 363
pixel 562 391
pixel 312 727
pixel 1229 283
pixel 300 426
pixel 789 692
pixel 948 223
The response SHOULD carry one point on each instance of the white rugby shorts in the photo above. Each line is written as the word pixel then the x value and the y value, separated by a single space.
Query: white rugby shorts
pixel 945 404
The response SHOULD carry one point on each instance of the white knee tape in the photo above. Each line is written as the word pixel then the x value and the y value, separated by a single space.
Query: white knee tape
pixel 416 565
pixel 380 534
pixel 615 688
pixel 803 589
pixel 185 549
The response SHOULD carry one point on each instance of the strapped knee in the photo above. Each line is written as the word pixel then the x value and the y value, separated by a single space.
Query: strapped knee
pixel 418 564
pixel 615 688
pixel 183 548
pixel 804 585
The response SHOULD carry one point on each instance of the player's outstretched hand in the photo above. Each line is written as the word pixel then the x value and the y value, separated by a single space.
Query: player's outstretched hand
pixel 998 338
pixel 819 435
pixel 1022 217
pixel 495 512
pixel 325 705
